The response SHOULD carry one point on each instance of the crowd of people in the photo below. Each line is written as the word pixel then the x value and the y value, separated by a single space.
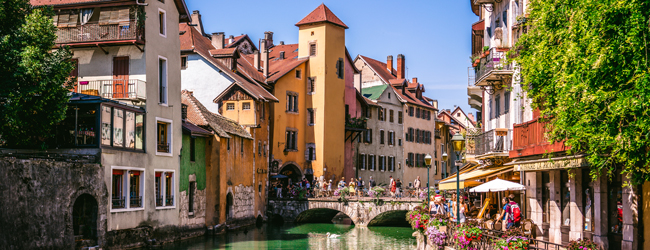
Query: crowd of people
pixel 358 187
pixel 463 209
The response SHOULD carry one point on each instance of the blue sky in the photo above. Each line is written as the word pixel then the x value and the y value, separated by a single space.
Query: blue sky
pixel 433 35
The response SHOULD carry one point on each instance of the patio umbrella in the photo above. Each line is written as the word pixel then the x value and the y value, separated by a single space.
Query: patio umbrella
pixel 498 185
pixel 279 176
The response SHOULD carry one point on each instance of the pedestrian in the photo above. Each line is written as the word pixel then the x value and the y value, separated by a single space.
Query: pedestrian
pixel 372 183
pixel 452 205
pixel 398 188
pixel 353 189
pixel 329 188
pixel 361 185
pixel 417 184
pixel 512 213
pixel 461 211
pixel 436 206
pixel 391 186
pixel 342 183
pixel 279 194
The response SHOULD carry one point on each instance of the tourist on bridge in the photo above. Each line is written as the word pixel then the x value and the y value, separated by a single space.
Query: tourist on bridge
pixel 391 186
pixel 329 188
pixel 398 188
pixel 353 189
pixel 279 193
pixel 360 185
pixel 342 183
pixel 372 183
pixel 417 184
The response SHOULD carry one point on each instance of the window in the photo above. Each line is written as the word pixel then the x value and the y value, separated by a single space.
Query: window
pixel 228 144
pixel 372 163
pixel 162 80
pixel 491 108
pixel 192 190
pixel 241 145
pixel 298 74
pixel 381 136
pixel 312 49
pixel 127 188
pixel 192 149
pixel 399 142
pixel 162 22
pixel 311 85
pixel 292 101
pixel 380 114
pixel 362 162
pixel 291 140
pixel 368 112
pixel 428 115
pixel 443 169
pixel 262 110
pixel 417 136
pixel 506 102
pixel 411 159
pixel 390 116
pixel 164 137
pixel 311 116
pixel 391 138
pixel 246 106
pixel 382 163
pixel 164 182
pixel 230 106
pixel 400 117
pixel 259 148
pixel 435 167
pixel 340 68
pixel 417 113
pixel 497 101
pixel 391 163
pixel 411 111
pixel 311 152
pixel 368 136
pixel 183 62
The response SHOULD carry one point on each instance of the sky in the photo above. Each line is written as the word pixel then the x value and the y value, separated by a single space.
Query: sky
pixel 433 35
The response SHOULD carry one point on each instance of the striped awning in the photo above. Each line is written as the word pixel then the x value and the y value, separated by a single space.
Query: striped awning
pixel 470 178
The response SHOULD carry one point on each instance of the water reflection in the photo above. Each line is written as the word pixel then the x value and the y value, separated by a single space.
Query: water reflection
pixel 305 236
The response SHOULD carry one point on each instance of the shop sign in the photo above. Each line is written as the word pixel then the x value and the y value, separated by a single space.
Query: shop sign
pixel 552 164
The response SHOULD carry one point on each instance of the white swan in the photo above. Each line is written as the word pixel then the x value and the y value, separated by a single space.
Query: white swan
pixel 332 236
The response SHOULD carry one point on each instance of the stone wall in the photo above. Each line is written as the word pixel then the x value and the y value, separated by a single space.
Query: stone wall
pixel 243 202
pixel 38 196
pixel 198 216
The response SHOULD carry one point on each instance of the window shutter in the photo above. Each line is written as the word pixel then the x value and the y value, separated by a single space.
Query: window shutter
pixel 338 68
pixel 55 20
pixel 295 103
pixel 123 17
pixel 104 17
pixel 115 17
pixel 63 20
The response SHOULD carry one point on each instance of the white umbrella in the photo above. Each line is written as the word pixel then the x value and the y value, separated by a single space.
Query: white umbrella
pixel 497 185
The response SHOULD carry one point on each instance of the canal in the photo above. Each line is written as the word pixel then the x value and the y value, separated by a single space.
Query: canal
pixel 305 236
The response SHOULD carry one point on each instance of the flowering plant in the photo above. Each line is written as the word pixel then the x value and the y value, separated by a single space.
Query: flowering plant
pixel 375 192
pixel 435 236
pixel 582 244
pixel 438 220
pixel 343 192
pixel 462 242
pixel 418 218
pixel 512 243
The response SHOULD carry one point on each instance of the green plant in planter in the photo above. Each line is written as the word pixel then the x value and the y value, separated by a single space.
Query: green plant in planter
pixel 486 48
pixel 512 243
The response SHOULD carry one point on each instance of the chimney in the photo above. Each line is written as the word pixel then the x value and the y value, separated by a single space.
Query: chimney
pixel 256 59
pixel 389 64
pixel 400 66
pixel 265 58
pixel 281 55
pixel 217 40
pixel 268 36
pixel 196 21
pixel 231 39
pixel 281 42
pixel 415 80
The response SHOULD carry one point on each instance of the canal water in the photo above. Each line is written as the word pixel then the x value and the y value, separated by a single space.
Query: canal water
pixel 304 236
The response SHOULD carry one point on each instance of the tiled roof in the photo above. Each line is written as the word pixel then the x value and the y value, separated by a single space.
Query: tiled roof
pixel 374 92
pixel 223 52
pixel 200 115
pixel 195 130
pixel 379 67
pixel 277 67
pixel 194 41
pixel 235 40
pixel 322 14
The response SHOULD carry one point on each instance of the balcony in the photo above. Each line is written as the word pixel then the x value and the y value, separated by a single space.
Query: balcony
pixel 437 133
pixel 163 147
pixel 530 138
pixel 132 89
pixel 493 69
pixel 491 144
pixel 354 125
pixel 94 33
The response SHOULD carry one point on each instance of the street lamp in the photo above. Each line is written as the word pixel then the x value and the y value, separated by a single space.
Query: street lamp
pixel 444 158
pixel 427 161
pixel 459 145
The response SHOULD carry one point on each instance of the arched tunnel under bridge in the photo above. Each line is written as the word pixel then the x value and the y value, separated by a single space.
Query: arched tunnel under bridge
pixel 360 213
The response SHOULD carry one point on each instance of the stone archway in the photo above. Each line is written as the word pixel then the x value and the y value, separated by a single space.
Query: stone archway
pixel 291 170
pixel 84 221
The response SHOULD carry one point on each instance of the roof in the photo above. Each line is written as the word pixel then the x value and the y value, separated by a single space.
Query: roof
pixel 194 130
pixel 277 67
pixel 462 111
pixel 78 98
pixel 363 100
pixel 374 92
pixel 322 14
pixel 378 67
pixel 200 115
pixel 192 40
pixel 235 40
pixel 180 5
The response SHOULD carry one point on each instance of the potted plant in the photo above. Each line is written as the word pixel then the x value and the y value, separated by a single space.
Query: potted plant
pixel 582 244
pixel 436 237
pixel 486 51
pixel 439 221
pixel 512 243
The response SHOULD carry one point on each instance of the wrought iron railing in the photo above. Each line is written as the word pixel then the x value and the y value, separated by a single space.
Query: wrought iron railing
pixel 135 201
pixel 114 88
pixel 353 122
pixel 489 237
pixel 94 32
pixel 163 147
pixel 159 201
pixel 169 200
pixel 495 61
pixel 493 141
pixel 118 202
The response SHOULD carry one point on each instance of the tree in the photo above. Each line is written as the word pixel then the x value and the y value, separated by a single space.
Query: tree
pixel 585 63
pixel 34 78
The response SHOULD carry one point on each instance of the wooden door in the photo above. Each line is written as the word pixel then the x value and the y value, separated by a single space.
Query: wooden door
pixel 120 77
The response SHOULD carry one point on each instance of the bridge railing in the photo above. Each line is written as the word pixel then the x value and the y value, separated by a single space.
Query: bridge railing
pixel 406 194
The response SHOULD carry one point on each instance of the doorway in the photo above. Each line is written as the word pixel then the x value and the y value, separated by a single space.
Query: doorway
pixel 229 206
pixel 84 221
pixel 120 77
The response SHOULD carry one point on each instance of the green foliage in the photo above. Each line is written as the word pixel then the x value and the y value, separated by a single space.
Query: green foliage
pixel 585 63
pixel 33 78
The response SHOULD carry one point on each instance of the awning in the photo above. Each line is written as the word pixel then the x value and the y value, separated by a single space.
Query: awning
pixel 498 185
pixel 468 178
pixel 548 164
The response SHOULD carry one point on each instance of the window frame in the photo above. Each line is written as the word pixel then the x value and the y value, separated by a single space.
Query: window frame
pixel 183 62
pixel 298 74
pixel 382 137
pixel 400 117
pixel 163 84
pixel 126 187
pixel 164 188
pixel 243 106
pixel 162 23
pixel 313 49
pixel 311 116
pixel 170 136
pixel 361 162
pixel 229 105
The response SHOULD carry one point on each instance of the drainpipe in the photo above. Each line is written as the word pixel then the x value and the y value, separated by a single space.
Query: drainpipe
pixel 141 4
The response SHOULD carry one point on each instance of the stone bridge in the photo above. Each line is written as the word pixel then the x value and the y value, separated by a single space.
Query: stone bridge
pixel 361 212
